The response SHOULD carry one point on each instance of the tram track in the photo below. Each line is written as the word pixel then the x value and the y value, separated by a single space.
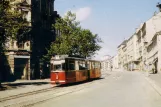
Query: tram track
pixel 27 94
pixel 31 93
pixel 43 95
pixel 47 96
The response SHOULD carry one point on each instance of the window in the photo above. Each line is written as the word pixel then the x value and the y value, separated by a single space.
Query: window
pixel 71 65
pixel 52 67
pixel 21 45
pixel 92 65
pixel 82 65
pixel 57 67
pixel 63 66
pixel 97 65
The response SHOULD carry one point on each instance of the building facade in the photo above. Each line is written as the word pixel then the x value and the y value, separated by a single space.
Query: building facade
pixel 142 50
pixel 106 63
pixel 115 62
pixel 121 55
pixel 18 54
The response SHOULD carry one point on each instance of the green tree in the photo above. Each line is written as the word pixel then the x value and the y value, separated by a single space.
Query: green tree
pixel 73 40
pixel 10 23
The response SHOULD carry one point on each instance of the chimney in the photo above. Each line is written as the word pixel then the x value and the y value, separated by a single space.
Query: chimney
pixel 159 6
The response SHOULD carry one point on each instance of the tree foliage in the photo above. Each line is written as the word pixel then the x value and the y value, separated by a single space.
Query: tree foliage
pixel 73 40
pixel 10 23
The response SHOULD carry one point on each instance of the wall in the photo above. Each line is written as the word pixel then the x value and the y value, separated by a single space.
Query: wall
pixel 159 53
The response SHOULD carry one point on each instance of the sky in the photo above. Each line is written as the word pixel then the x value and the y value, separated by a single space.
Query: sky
pixel 113 20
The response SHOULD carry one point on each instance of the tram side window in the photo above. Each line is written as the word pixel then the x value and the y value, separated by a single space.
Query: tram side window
pixel 71 65
pixel 87 65
pixel 82 65
pixel 97 65
pixel 63 66
pixel 92 65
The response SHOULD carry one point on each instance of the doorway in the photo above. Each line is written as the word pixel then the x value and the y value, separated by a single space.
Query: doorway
pixel 20 68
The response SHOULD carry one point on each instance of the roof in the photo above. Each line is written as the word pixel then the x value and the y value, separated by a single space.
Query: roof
pixel 123 43
pixel 75 58
pixel 138 29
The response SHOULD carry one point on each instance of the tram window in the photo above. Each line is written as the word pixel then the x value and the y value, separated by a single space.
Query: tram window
pixel 57 67
pixel 96 65
pixel 87 65
pixel 71 65
pixel 63 66
pixel 52 67
pixel 93 65
pixel 82 65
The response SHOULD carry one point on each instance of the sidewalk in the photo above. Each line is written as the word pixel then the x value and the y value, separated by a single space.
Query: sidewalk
pixel 24 86
pixel 156 78
pixel 155 81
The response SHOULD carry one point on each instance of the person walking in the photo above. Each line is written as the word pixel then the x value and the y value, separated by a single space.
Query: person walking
pixel 41 73
pixel 111 68
pixel 153 68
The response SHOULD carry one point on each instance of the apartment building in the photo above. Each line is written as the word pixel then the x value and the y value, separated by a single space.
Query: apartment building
pixel 131 62
pixel 146 36
pixel 115 62
pixel 121 55
pixel 106 63
pixel 18 53
pixel 142 50
pixel 153 56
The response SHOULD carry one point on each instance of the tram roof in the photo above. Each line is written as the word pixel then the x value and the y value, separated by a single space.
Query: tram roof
pixel 75 58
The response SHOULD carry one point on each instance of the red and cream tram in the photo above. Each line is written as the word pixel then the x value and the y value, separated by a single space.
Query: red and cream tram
pixel 65 70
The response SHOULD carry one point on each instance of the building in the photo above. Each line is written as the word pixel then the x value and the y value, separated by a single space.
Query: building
pixel 145 36
pixel 131 60
pixel 142 50
pixel 106 63
pixel 154 53
pixel 18 54
pixel 121 55
pixel 115 62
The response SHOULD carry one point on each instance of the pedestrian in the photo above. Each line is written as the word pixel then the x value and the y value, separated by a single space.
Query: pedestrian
pixel 41 73
pixel 111 68
pixel 153 68
pixel 147 69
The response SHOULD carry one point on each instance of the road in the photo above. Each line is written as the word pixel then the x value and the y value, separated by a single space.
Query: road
pixel 120 89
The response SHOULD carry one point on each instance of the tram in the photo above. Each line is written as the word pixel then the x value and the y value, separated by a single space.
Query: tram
pixel 65 70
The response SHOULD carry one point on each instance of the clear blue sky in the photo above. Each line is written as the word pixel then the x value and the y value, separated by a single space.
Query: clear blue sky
pixel 112 20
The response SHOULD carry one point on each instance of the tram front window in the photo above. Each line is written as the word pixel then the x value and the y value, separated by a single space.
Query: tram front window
pixel 57 67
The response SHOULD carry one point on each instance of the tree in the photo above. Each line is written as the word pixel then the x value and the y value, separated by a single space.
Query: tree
pixel 73 40
pixel 10 23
